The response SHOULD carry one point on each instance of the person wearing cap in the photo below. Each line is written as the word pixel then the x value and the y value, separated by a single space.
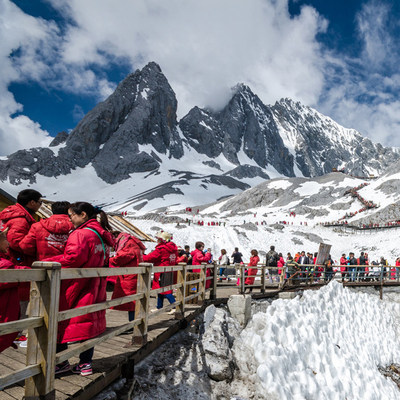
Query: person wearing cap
pixel 164 254
pixel 9 300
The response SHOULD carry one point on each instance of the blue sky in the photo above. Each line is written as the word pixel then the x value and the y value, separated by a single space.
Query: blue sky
pixel 60 58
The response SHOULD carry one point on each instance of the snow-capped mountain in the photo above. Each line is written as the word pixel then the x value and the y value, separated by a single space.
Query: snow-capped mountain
pixel 130 151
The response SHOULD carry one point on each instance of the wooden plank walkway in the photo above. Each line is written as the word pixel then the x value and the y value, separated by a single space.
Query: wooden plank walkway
pixel 110 357
pixel 117 356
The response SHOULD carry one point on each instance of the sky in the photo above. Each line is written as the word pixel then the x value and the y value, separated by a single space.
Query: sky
pixel 59 58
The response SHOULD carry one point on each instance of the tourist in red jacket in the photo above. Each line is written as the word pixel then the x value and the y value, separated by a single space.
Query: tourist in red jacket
pixel 47 238
pixel 343 266
pixel 281 263
pixel 128 253
pixel 254 260
pixel 18 218
pixel 87 247
pixel 199 257
pixel 165 254
pixel 9 300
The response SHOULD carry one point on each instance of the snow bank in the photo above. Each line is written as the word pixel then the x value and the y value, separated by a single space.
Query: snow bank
pixel 325 345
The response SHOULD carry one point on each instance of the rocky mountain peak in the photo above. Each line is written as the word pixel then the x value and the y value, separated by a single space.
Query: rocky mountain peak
pixel 135 130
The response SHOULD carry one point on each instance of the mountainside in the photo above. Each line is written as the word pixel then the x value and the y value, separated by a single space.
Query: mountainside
pixel 130 150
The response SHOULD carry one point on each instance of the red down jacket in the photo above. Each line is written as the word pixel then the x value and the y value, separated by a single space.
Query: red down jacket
pixel 9 303
pixel 199 257
pixel 165 254
pixel 129 253
pixel 47 238
pixel 18 221
pixel 252 271
pixel 83 250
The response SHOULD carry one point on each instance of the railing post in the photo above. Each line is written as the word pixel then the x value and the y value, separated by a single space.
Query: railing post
pixel 213 294
pixel 202 284
pixel 263 279
pixel 42 341
pixel 181 293
pixel 142 306
pixel 242 289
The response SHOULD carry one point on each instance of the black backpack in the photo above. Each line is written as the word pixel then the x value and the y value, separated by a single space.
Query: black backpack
pixel 273 259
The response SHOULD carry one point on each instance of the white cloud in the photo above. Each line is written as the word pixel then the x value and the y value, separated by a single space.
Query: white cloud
pixel 363 90
pixel 23 34
pixel 204 48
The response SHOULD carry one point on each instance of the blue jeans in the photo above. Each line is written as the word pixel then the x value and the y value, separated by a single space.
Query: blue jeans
pixel 131 315
pixel 221 271
pixel 160 299
pixel 352 274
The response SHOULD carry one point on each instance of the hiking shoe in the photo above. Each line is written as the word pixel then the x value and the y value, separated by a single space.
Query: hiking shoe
pixel 63 367
pixel 21 340
pixel 83 369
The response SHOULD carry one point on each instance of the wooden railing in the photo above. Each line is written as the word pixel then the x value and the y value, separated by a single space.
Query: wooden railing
pixel 44 315
pixel 311 274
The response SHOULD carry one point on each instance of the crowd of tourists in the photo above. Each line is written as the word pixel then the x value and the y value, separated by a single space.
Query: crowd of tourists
pixel 79 235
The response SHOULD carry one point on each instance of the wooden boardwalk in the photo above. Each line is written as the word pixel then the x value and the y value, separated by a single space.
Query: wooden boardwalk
pixel 112 358
pixel 116 357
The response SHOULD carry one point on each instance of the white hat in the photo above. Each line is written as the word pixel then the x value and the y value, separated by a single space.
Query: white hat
pixel 164 236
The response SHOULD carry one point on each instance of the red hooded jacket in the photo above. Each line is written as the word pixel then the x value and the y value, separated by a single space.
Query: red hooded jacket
pixel 18 221
pixel 254 260
pixel 47 238
pixel 165 254
pixel 83 250
pixel 199 257
pixel 9 303
pixel 129 253
pixel 343 263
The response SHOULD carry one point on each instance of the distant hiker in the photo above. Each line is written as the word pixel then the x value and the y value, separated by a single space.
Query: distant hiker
pixel 199 257
pixel 362 261
pixel 164 254
pixel 281 264
pixel 271 261
pixel 352 267
pixel 293 269
pixel 328 264
pixel 128 253
pixel 303 261
pixel 254 260
pixel 343 266
pixel 47 238
pixel 237 256
pixel 189 256
pixel 223 261
pixel 88 246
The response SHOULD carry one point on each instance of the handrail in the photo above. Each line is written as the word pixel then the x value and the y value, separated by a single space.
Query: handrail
pixel 22 275
pixel 77 273
pixel 44 315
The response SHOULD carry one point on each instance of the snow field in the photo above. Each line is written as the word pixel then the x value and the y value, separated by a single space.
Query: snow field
pixel 326 345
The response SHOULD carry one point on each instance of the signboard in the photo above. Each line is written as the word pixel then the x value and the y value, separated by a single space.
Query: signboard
pixel 323 253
